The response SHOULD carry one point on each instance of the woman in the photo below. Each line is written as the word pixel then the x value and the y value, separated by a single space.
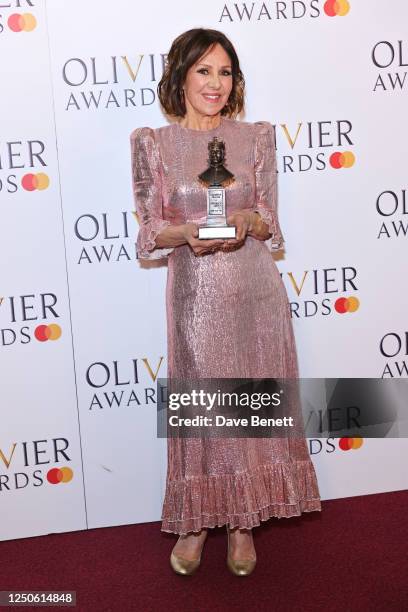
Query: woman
pixel 227 309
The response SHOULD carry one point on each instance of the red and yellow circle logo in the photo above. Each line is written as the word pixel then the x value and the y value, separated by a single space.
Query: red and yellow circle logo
pixel 57 475
pixel 22 23
pixel 47 332
pixel 336 8
pixel 350 443
pixel 342 160
pixel 350 304
pixel 31 182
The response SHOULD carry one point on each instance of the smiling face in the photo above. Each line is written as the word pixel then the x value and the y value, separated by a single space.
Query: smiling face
pixel 208 83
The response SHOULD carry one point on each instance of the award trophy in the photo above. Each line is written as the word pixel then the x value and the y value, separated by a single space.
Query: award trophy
pixel 216 178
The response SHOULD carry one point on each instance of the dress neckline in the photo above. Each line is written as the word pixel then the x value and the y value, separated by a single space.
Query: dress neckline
pixel 186 129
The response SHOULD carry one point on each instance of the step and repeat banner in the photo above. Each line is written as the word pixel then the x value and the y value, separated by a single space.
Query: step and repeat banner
pixel 82 321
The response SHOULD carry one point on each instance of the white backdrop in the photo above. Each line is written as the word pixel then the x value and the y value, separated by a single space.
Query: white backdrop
pixel 82 322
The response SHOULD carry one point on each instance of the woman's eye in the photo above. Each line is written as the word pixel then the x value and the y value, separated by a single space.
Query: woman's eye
pixel 205 71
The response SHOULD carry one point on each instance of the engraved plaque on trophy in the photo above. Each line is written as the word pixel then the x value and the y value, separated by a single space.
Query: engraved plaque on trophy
pixel 216 178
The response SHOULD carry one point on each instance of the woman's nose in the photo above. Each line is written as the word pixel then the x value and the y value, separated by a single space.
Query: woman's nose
pixel 214 81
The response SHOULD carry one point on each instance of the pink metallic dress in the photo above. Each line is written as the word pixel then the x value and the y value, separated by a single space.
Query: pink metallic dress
pixel 227 316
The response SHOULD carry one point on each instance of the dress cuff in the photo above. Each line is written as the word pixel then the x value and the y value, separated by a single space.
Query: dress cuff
pixel 277 240
pixel 146 245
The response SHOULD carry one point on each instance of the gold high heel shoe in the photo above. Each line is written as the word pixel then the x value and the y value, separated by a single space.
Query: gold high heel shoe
pixel 182 566
pixel 240 567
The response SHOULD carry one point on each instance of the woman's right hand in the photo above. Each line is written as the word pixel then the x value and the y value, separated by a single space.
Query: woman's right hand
pixel 200 247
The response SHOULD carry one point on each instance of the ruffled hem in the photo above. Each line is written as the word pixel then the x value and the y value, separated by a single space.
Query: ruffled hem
pixel 146 241
pixel 240 500
pixel 276 240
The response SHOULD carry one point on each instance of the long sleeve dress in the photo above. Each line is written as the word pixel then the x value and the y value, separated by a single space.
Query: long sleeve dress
pixel 228 315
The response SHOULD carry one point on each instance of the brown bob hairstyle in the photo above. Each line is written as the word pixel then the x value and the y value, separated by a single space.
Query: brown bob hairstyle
pixel 185 51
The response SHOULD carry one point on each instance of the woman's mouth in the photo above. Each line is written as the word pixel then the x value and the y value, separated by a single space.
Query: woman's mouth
pixel 213 98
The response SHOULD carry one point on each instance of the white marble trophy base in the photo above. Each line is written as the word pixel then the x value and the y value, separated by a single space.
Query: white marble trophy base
pixel 216 231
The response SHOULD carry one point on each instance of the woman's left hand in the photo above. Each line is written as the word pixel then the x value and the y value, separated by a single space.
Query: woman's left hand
pixel 241 220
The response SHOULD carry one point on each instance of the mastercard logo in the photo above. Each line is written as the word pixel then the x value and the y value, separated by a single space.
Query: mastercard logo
pixel 336 8
pixel 57 475
pixel 47 332
pixel 31 182
pixel 346 444
pixel 350 304
pixel 342 160
pixel 22 23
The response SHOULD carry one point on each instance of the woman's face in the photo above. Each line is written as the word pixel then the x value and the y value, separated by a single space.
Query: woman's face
pixel 208 83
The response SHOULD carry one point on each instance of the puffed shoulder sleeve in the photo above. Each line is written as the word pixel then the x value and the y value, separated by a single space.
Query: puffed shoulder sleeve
pixel 266 203
pixel 147 190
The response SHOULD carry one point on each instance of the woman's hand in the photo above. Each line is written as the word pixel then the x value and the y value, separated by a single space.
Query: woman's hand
pixel 243 222
pixel 200 247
